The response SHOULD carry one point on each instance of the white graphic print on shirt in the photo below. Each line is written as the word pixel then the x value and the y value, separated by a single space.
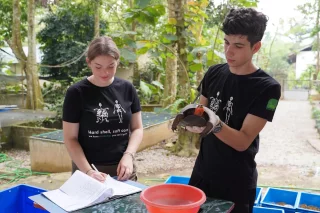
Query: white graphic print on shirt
pixel 229 111
pixel 118 108
pixel 102 114
pixel 215 102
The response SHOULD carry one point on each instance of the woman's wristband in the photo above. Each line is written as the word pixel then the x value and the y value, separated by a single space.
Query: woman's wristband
pixel 89 171
pixel 129 153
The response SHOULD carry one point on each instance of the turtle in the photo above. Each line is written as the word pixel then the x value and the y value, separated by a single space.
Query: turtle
pixel 194 115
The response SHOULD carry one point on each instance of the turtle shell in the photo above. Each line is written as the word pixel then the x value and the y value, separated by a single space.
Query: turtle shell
pixel 190 119
pixel 194 120
pixel 187 117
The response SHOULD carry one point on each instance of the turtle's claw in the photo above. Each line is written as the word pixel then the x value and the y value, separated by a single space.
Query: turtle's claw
pixel 176 121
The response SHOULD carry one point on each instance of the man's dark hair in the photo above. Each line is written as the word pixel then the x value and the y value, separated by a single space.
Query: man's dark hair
pixel 245 21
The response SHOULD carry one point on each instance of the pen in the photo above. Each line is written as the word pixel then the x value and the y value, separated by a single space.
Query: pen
pixel 98 171
pixel 94 168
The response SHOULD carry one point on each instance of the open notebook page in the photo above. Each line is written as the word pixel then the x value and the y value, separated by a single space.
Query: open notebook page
pixel 120 188
pixel 79 191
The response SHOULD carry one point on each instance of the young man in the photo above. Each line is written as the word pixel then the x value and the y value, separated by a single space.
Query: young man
pixel 242 98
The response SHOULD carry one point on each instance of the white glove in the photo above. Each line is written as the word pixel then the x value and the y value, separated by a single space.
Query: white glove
pixel 213 121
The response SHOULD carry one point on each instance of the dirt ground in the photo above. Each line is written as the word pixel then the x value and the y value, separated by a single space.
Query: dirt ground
pixel 288 155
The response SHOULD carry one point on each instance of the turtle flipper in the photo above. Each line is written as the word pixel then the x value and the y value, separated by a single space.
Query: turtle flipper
pixel 212 121
pixel 207 130
pixel 193 120
pixel 176 121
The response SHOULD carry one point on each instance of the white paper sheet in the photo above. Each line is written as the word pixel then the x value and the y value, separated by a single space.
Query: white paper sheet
pixel 81 191
pixel 120 188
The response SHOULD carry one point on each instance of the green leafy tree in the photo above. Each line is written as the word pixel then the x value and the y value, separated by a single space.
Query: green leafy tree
pixel 194 51
pixel 311 11
pixel 17 23
pixel 68 30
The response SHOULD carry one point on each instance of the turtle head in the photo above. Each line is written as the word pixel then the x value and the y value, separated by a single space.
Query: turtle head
pixel 199 110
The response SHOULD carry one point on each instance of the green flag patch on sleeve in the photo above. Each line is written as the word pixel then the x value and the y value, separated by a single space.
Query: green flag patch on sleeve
pixel 272 104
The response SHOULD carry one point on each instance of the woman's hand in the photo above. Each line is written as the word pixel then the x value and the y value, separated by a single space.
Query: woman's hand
pixel 99 176
pixel 125 167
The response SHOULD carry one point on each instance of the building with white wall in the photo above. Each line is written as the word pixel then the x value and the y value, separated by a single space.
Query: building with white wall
pixel 304 60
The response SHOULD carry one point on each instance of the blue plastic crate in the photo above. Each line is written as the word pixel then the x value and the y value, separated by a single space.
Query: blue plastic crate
pixel 4 109
pixel 178 179
pixel 308 199
pixel 15 199
pixel 258 196
pixel 258 209
pixel 274 196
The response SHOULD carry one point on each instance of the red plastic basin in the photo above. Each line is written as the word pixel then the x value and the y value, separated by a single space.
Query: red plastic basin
pixel 173 198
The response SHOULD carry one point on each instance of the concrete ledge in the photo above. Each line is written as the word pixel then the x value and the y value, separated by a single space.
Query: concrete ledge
pixel 155 134
pixel 47 155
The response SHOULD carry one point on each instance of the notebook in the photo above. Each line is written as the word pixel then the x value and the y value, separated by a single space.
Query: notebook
pixel 81 191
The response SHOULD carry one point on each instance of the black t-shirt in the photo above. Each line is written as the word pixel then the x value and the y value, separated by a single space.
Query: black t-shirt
pixel 232 97
pixel 104 115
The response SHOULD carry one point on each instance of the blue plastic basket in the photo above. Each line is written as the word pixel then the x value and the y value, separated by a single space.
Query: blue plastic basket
pixel 4 109
pixel 308 199
pixel 258 196
pixel 258 209
pixel 178 179
pixel 15 199
pixel 274 197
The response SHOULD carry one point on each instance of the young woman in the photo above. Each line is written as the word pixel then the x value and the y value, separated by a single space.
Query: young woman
pixel 102 122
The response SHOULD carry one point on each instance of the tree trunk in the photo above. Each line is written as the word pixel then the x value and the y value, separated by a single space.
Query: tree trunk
pixel 28 64
pixel 34 95
pixel 197 32
pixel 15 43
pixel 136 72
pixel 183 78
pixel 200 72
pixel 97 18
pixel 187 144
pixel 270 49
pixel 170 88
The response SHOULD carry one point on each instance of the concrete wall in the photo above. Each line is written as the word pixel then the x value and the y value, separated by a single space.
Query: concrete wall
pixel 297 95
pixel 13 99
pixel 304 60
pixel 18 136
pixel 155 134
pixel 52 156
pixel 49 156
pixel 150 107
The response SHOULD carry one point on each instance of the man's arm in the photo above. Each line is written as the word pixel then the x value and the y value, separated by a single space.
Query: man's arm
pixel 242 139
